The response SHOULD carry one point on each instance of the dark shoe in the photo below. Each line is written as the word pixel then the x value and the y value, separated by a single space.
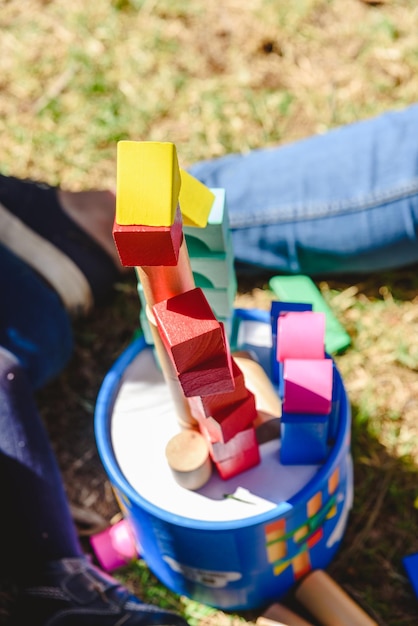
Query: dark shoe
pixel 74 592
pixel 35 228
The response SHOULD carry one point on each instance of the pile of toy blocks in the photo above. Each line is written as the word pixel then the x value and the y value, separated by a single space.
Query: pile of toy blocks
pixel 175 232
pixel 305 377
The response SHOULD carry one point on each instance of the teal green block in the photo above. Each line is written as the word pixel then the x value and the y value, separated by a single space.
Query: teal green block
pixel 145 327
pixel 221 300
pixel 215 237
pixel 216 267
pixel 141 296
pixel 302 289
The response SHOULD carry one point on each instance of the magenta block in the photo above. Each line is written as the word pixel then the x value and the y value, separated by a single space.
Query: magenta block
pixel 115 546
pixel 307 386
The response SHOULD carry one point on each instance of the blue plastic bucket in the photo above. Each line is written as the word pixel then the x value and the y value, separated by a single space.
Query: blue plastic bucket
pixel 233 564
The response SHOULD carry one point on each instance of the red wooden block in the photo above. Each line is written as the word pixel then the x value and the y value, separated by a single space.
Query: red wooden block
pixel 239 463
pixel 189 330
pixel 208 378
pixel 227 422
pixel 202 407
pixel 149 245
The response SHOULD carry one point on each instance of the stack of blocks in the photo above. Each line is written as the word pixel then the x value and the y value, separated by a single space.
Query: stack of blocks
pixel 305 376
pixel 209 246
pixel 148 233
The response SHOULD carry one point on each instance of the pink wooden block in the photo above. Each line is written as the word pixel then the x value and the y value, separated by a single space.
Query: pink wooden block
pixel 307 386
pixel 301 335
pixel 240 462
pixel 115 546
pixel 189 330
pixel 149 245
pixel 243 441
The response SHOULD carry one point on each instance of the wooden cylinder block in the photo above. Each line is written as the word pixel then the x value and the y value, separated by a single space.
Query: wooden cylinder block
pixel 279 615
pixel 187 454
pixel 329 603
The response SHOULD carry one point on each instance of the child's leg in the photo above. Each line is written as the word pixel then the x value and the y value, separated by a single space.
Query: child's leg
pixel 36 524
pixel 345 201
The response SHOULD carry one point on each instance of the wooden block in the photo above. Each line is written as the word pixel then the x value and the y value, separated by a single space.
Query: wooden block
pixel 239 444
pixel 301 335
pixel 228 422
pixel 299 288
pixel 276 310
pixel 148 183
pixel 220 299
pixel 203 407
pixel 189 330
pixel 180 403
pixel 215 237
pixel 239 463
pixel 329 603
pixel 307 386
pixel 145 327
pixel 208 378
pixel 165 281
pixel 187 454
pixel 278 614
pixel 304 438
pixel 196 201
pixel 216 267
pixel 149 245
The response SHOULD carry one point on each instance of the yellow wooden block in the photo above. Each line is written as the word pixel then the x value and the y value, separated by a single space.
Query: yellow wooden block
pixel 195 199
pixel 148 183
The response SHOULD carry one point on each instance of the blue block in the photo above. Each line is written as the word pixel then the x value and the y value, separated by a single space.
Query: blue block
pixel 251 332
pixel 411 566
pixel 335 407
pixel 304 438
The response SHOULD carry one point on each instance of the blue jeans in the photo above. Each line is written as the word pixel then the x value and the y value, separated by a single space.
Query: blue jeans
pixel 36 524
pixel 342 202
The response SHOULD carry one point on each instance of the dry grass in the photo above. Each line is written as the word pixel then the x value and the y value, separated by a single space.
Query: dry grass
pixel 216 77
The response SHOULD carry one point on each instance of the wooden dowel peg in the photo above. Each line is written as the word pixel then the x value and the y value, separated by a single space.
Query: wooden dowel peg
pixel 329 603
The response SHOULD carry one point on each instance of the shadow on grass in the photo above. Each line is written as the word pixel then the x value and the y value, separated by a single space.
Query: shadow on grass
pixel 381 531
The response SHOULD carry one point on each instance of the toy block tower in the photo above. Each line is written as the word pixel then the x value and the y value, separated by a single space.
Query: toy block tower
pixel 190 342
